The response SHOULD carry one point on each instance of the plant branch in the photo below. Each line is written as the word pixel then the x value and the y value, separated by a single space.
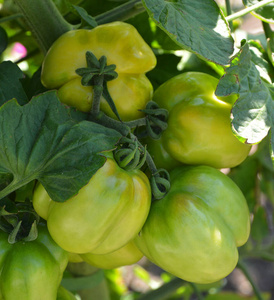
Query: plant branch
pixel 44 20
pixel 197 291
pixel 267 30
pixel 256 290
pixel 247 10
pixel 122 12
pixel 12 17
pixel 228 12
pixel 164 291
pixel 14 185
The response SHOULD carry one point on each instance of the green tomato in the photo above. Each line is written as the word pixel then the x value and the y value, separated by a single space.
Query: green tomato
pixel 127 255
pixel 64 294
pixel 194 231
pixel 199 131
pixel 74 257
pixel 123 46
pixel 161 157
pixel 104 216
pixel 31 270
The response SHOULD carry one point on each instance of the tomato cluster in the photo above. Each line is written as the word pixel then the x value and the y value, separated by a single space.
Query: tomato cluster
pixel 194 231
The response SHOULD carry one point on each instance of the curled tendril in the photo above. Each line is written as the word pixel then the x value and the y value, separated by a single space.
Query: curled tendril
pixel 156 119
pixel 130 155
pixel 160 184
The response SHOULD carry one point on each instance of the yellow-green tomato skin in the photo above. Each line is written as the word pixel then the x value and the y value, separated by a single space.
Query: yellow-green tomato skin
pixel 64 294
pixel 32 270
pixel 199 130
pixel 127 255
pixel 161 157
pixel 104 216
pixel 74 257
pixel 122 45
pixel 194 231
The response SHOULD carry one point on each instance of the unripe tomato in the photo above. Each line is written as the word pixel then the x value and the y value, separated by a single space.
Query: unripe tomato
pixel 127 255
pixel 123 46
pixel 194 231
pixel 31 270
pixel 199 130
pixel 104 216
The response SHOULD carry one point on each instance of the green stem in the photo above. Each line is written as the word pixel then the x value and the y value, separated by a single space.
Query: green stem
pixel 256 290
pixel 122 12
pixel 12 17
pixel 44 20
pixel 103 119
pixel 164 291
pixel 136 123
pixel 247 10
pixel 268 31
pixel 228 12
pixel 98 91
pixel 150 163
pixel 14 185
pixel 197 291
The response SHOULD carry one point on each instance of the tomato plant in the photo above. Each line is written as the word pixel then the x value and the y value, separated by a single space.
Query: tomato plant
pixel 135 129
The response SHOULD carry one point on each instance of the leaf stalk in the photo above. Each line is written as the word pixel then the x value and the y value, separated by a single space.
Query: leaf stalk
pixel 247 10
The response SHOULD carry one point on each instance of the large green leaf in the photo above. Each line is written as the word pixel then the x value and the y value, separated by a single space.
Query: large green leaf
pixel 196 25
pixel 3 40
pixel 40 141
pixel 252 114
pixel 10 84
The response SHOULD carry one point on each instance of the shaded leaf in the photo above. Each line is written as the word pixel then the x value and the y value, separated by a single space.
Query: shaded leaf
pixel 87 20
pixel 195 25
pixel 259 228
pixel 3 40
pixel 41 141
pixel 259 58
pixel 252 112
pixel 10 85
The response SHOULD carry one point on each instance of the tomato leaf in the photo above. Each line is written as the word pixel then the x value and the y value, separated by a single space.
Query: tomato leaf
pixel 195 25
pixel 252 114
pixel 260 59
pixel 87 21
pixel 41 141
pixel 259 228
pixel 3 39
pixel 10 84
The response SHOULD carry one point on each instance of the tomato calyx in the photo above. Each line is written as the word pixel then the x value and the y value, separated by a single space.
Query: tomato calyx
pixel 96 68
pixel 97 74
